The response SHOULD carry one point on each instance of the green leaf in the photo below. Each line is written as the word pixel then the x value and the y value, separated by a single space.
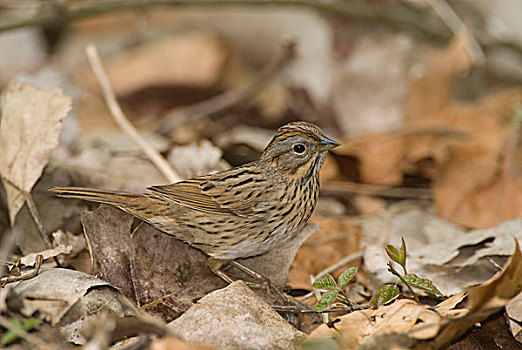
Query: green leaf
pixel 421 283
pixel 393 253
pixel 402 253
pixel 347 276
pixel 325 282
pixel 31 323
pixel 384 295
pixel 326 300
pixel 10 336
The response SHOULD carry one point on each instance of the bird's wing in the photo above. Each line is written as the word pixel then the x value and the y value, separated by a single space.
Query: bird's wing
pixel 229 192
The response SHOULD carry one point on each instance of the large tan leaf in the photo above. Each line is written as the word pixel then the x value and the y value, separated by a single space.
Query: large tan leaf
pixel 485 299
pixel 29 131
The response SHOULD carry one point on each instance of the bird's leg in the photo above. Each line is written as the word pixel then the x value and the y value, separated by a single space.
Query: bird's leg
pixel 260 277
pixel 216 266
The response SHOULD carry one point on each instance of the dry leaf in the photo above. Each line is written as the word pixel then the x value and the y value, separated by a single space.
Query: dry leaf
pixel 336 239
pixel 173 343
pixel 235 318
pixel 380 156
pixel 453 258
pixel 29 259
pixel 194 58
pixel 486 299
pixel 401 317
pixel 29 131
pixel 197 159
pixel 514 313
pixel 431 92
pixel 70 300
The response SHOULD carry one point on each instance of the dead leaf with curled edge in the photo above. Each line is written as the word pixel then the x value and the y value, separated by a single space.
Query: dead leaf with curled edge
pixel 401 317
pixel 29 131
pixel 486 299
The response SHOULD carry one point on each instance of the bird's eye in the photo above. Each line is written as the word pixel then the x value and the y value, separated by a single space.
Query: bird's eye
pixel 299 148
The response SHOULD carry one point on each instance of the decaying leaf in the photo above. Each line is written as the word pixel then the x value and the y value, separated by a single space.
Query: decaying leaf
pixel 514 314
pixel 452 258
pixel 402 317
pixel 171 343
pixel 235 318
pixel 29 259
pixel 337 238
pixel 70 300
pixel 486 299
pixel 190 58
pixel 197 159
pixel 29 131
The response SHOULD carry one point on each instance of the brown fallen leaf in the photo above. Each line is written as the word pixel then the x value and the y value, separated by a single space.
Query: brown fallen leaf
pixel 475 182
pixel 401 317
pixel 514 314
pixel 192 58
pixel 450 256
pixel 31 125
pixel 70 300
pixel 336 239
pixel 486 299
pixel 173 343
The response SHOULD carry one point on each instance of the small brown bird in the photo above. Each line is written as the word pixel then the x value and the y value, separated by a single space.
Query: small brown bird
pixel 238 213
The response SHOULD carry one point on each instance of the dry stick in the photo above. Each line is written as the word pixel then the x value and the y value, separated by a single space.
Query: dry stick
pixel 396 273
pixel 233 97
pixel 401 17
pixel 455 23
pixel 348 187
pixel 122 121
pixel 36 342
pixel 10 279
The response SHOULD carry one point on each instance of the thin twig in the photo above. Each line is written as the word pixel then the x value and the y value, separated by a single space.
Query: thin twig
pixel 348 187
pixel 10 279
pixel 232 97
pixel 397 16
pixel 295 310
pixel 396 273
pixel 494 263
pixel 36 342
pixel 122 121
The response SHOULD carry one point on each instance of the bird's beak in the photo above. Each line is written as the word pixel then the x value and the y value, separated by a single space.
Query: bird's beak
pixel 325 144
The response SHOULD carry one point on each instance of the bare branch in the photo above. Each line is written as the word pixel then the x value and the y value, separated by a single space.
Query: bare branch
pixel 122 121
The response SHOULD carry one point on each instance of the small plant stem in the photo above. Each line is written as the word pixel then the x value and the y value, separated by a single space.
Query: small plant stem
pixel 348 301
pixel 396 273
pixel 33 340
pixel 10 279
pixel 125 125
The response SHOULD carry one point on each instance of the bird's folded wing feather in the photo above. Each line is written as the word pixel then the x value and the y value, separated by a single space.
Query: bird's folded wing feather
pixel 190 193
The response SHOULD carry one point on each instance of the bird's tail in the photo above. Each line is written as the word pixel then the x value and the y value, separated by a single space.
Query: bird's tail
pixel 115 198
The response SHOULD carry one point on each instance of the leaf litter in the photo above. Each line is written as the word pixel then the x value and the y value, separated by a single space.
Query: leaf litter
pixel 466 150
